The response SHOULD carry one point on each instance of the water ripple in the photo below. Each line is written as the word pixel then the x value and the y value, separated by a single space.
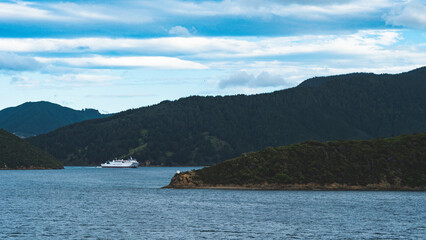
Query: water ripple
pixel 91 203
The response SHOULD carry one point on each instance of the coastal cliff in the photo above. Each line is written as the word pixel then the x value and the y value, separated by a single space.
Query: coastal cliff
pixel 397 163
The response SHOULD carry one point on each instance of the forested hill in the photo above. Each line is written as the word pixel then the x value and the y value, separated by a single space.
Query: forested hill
pixel 397 163
pixel 16 153
pixel 208 130
pixel 33 118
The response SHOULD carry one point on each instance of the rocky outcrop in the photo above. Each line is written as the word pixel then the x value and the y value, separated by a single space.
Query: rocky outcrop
pixel 185 180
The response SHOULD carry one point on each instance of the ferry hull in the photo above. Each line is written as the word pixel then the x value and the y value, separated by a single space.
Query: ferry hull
pixel 119 166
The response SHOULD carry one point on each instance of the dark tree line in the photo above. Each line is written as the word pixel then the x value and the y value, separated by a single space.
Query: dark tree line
pixel 398 161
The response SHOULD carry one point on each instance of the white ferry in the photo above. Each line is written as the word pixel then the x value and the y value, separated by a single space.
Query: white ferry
pixel 120 163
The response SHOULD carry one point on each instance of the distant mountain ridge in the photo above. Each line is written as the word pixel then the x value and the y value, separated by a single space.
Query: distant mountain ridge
pixel 207 130
pixel 34 118
pixel 16 153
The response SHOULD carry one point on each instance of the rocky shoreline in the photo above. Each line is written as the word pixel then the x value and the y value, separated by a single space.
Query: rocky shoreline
pixel 189 180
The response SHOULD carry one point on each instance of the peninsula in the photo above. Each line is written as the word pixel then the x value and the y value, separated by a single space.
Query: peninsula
pixel 396 163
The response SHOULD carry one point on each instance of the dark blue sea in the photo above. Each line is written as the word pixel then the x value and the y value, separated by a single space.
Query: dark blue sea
pixel 95 203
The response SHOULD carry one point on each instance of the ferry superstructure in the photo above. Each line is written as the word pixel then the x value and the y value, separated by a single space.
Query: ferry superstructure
pixel 121 163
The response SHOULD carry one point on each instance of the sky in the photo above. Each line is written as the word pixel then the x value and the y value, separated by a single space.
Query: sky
pixel 118 55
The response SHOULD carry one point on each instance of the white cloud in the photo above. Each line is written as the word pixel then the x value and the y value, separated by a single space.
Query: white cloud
pixel 149 62
pixel 292 73
pixel 146 11
pixel 23 10
pixel 14 62
pixel 104 12
pixel 179 31
pixel 164 45
pixel 264 79
pixel 75 12
pixel 410 14
pixel 360 42
pixel 263 8
pixel 64 80
pixel 367 47
pixel 23 81
pixel 125 95
pixel 291 58
pixel 72 12
pixel 84 78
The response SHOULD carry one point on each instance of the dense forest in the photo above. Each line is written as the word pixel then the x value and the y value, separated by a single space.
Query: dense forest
pixel 393 163
pixel 16 153
pixel 207 130
pixel 33 118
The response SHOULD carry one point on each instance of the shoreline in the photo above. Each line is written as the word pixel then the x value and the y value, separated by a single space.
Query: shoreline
pixel 301 187
pixel 189 180
pixel 32 168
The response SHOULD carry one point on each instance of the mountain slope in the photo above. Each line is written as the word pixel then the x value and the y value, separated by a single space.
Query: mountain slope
pixel 16 153
pixel 33 118
pixel 390 163
pixel 208 130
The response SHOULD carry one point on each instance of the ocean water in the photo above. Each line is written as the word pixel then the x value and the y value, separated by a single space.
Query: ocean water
pixel 95 203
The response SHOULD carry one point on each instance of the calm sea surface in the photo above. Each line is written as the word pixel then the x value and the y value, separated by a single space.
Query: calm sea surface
pixel 95 203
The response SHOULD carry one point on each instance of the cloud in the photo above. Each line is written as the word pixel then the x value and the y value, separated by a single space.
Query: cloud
pixel 232 54
pixel 264 79
pixel 285 75
pixel 264 8
pixel 107 11
pixel 24 81
pixel 84 78
pixel 93 78
pixel 179 31
pixel 293 58
pixel 360 42
pixel 72 13
pixel 23 10
pixel 18 79
pixel 148 11
pixel 83 11
pixel 120 95
pixel 410 14
pixel 13 62
pixel 132 62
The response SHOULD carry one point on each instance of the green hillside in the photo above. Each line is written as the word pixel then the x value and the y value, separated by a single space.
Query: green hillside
pixel 207 130
pixel 33 118
pixel 390 163
pixel 16 153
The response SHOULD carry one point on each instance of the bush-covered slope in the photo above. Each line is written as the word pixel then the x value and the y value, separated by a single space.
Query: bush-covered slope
pixel 208 130
pixel 396 162
pixel 33 118
pixel 16 153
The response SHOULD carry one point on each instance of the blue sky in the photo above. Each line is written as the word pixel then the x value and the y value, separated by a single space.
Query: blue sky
pixel 116 55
